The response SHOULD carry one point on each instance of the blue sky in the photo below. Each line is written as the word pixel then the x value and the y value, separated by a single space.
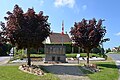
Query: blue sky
pixel 73 11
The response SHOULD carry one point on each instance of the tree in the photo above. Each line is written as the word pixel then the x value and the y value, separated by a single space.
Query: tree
pixel 96 50
pixel 26 30
pixel 108 50
pixel 87 34
pixel 3 46
pixel 4 49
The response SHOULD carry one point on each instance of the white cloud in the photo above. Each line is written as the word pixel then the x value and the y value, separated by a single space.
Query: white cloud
pixel 84 7
pixel 118 34
pixel 41 2
pixel 68 3
pixel 76 9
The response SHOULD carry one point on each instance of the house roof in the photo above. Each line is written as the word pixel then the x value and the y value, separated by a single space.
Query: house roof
pixel 58 38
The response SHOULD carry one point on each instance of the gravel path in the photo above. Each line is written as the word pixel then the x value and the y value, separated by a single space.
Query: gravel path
pixel 66 72
pixel 63 71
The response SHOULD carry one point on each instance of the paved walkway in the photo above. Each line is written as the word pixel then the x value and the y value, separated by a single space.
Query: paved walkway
pixel 66 72
pixel 4 60
pixel 116 58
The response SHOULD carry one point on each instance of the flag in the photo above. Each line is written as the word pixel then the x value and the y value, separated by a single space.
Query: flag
pixel 62 27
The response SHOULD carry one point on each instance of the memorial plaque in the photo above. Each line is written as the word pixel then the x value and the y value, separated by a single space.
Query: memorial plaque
pixel 55 53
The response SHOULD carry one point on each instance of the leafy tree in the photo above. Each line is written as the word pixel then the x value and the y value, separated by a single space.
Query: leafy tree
pixel 96 50
pixel 3 45
pixel 4 49
pixel 26 30
pixel 108 50
pixel 87 34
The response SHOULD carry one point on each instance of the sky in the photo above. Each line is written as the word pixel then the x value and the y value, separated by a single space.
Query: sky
pixel 71 11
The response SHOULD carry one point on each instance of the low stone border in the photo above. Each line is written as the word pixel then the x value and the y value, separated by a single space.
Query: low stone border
pixel 33 69
pixel 91 67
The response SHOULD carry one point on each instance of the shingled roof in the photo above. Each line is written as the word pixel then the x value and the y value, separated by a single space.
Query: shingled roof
pixel 57 38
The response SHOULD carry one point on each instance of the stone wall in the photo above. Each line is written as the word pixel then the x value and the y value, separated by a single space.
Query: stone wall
pixel 55 53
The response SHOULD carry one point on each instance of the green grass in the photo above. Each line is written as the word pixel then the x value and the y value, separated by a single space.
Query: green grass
pixel 13 73
pixel 68 55
pixel 81 55
pixel 38 55
pixel 108 71
pixel 113 53
pixel 85 71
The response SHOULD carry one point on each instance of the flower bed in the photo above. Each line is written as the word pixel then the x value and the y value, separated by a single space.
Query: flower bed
pixel 33 69
pixel 91 67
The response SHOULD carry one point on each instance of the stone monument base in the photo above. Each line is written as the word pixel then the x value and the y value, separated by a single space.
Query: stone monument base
pixel 55 58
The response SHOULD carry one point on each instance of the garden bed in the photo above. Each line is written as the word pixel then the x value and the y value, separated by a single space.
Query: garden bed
pixel 33 69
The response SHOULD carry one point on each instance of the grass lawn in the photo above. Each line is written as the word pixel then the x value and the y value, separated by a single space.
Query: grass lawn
pixel 73 55
pixel 13 73
pixel 81 55
pixel 38 55
pixel 108 71
pixel 114 53
pixel 68 55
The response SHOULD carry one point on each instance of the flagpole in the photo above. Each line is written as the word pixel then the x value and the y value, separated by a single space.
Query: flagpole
pixel 62 34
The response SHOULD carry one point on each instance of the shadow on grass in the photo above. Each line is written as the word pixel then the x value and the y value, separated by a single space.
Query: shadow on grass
pixel 107 65
pixel 85 71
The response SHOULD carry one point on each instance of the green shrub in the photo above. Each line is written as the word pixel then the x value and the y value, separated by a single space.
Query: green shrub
pixel 105 56
pixel 5 49
pixel 96 50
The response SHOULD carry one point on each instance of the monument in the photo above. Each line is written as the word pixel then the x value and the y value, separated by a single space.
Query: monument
pixel 55 53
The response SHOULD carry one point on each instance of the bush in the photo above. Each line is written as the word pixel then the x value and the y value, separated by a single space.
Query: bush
pixel 108 50
pixel 41 50
pixel 105 56
pixel 5 49
pixel 68 48
pixel 96 50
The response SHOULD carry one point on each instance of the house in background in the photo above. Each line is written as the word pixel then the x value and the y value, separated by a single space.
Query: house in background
pixel 58 38
pixel 54 48
pixel 116 49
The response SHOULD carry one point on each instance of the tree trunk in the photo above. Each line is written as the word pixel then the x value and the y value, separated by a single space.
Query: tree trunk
pixel 87 57
pixel 28 56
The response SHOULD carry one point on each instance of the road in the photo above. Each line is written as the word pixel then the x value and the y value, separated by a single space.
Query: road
pixel 4 60
pixel 116 58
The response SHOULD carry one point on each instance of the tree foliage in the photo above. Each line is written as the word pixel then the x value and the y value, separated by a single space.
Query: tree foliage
pixel 96 50
pixel 4 48
pixel 26 30
pixel 87 34
pixel 108 50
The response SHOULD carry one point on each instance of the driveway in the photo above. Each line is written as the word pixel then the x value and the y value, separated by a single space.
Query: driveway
pixel 4 60
pixel 116 58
